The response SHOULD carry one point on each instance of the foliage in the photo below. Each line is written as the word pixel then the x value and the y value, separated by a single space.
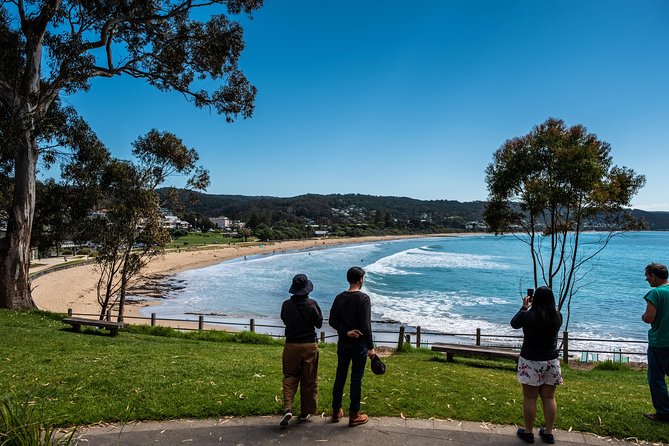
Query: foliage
pixel 126 235
pixel 214 378
pixel 130 232
pixel 611 365
pixel 346 211
pixel 22 425
pixel 245 233
pixel 242 337
pixel 550 186
pixel 51 48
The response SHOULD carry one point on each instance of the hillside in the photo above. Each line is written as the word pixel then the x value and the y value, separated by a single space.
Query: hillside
pixel 357 209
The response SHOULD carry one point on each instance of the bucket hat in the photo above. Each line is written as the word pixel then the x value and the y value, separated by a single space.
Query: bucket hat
pixel 378 367
pixel 301 286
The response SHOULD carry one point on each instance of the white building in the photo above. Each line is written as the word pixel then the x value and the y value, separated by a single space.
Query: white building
pixel 172 221
pixel 222 222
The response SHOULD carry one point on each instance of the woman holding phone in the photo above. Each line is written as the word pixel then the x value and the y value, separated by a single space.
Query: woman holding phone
pixel 539 364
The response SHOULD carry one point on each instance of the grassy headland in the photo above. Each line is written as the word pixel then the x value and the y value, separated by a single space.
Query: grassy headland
pixel 162 374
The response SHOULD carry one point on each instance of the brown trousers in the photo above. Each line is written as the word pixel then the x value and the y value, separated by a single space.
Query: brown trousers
pixel 300 366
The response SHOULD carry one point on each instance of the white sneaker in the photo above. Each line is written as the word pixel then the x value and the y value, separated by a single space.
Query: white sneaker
pixel 287 415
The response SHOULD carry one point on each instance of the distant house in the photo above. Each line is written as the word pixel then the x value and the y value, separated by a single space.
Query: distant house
pixel 172 221
pixel 222 222
pixel 476 226
pixel 320 233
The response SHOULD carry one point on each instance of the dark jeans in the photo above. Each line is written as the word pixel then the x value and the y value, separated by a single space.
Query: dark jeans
pixel 658 368
pixel 355 355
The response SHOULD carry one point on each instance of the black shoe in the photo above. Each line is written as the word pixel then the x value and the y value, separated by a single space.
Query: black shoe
pixel 527 437
pixel 660 417
pixel 287 415
pixel 547 438
pixel 305 417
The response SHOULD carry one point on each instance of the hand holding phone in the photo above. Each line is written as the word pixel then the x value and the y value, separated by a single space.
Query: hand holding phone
pixel 527 300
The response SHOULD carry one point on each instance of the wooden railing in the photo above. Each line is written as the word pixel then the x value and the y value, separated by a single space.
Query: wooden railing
pixel 405 335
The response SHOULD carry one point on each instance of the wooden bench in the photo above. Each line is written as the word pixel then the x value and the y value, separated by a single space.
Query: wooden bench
pixel 77 322
pixel 474 350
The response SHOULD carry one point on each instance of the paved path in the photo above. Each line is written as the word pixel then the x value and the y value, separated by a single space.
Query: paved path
pixel 320 431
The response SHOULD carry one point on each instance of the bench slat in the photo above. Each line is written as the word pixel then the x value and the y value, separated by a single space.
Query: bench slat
pixel 77 322
pixel 474 350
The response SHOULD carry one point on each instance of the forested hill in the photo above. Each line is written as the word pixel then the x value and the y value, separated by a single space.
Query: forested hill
pixel 356 208
pixel 328 209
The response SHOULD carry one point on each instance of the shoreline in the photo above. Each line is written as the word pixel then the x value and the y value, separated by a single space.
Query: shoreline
pixel 76 288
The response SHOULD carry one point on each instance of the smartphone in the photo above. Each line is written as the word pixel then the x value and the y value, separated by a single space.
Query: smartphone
pixel 530 292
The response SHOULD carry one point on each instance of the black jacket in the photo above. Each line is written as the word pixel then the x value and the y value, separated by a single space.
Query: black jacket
pixel 352 310
pixel 302 316
pixel 539 341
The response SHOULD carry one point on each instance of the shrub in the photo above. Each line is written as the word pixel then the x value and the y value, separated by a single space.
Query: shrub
pixel 20 424
pixel 406 348
pixel 179 233
pixel 243 337
pixel 249 337
pixel 610 365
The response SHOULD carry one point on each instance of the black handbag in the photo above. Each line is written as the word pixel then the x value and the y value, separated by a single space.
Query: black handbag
pixel 378 367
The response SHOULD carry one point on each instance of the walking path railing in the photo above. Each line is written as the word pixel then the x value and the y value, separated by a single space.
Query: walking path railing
pixel 588 348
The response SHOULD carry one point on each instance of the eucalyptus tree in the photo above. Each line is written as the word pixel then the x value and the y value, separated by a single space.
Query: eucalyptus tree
pixel 54 47
pixel 549 187
pixel 128 228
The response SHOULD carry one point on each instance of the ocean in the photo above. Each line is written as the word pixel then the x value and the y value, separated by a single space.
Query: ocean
pixel 448 284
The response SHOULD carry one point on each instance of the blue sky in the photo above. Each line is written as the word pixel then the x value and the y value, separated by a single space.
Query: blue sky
pixel 413 98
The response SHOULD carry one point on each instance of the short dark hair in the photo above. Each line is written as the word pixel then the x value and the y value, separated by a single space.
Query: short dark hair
pixel 658 270
pixel 354 274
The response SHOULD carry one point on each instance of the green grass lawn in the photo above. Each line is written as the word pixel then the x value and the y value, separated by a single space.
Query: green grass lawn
pixel 81 378
pixel 202 238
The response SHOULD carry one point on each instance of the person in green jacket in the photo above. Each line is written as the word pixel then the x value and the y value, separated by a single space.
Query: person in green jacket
pixel 657 315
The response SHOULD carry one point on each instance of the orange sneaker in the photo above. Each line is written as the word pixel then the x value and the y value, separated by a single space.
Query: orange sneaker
pixel 338 415
pixel 356 419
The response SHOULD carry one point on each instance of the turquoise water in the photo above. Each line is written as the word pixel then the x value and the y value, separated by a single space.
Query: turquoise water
pixel 452 284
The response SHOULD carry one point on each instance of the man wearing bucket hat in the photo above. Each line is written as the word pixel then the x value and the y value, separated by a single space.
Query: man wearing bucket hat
pixel 302 316
pixel 351 316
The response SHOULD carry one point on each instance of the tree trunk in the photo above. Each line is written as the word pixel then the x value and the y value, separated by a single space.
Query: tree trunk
pixel 15 247
pixel 28 103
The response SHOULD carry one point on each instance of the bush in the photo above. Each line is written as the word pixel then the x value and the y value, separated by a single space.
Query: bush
pixel 243 337
pixel 406 348
pixel 179 233
pixel 610 365
pixel 248 337
pixel 20 424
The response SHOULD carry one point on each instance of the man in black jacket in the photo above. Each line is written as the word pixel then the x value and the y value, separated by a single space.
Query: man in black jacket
pixel 302 316
pixel 351 316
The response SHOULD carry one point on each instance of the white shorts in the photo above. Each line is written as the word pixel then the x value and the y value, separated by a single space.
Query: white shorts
pixel 536 373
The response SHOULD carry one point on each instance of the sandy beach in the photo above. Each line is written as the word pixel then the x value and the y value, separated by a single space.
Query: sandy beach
pixel 75 288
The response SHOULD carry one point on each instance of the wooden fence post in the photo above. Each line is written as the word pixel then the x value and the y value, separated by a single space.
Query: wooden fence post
pixel 200 322
pixel 565 346
pixel 109 315
pixel 252 325
pixel 400 341
pixel 478 336
pixel 418 336
pixel 322 336
pixel 153 319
